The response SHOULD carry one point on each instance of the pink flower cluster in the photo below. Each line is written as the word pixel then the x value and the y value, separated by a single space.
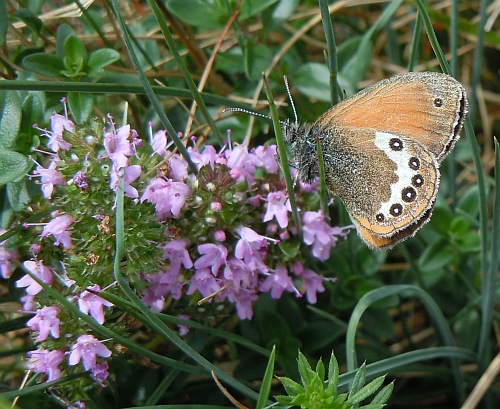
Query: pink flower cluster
pixel 227 250
pixel 221 268
pixel 46 322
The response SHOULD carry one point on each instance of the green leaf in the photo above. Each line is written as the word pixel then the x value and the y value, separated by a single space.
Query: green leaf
pixel 379 322
pixel 320 370
pixel 4 20
pixel 30 19
pixel 291 387
pixel 199 13
pixel 284 400
pixel 256 59
pixel 367 390
pixel 251 8
pixel 80 106
pixel 265 387
pixel 33 109
pixel 290 248
pixel 312 79
pixel 280 14
pixel 18 194
pixel 467 328
pixel 333 373
pixel 12 166
pixel 469 242
pixel 469 202
pixel 358 381
pixel 63 32
pixel 100 59
pixel 10 118
pixel 437 255
pixel 74 54
pixel 383 396
pixel 441 220
pixel 460 225
pixel 305 370
pixel 44 64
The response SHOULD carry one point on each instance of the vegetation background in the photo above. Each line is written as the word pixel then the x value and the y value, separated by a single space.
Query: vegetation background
pixel 427 310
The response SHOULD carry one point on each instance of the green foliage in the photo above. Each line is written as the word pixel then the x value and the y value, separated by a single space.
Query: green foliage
pixel 420 311
pixel 316 393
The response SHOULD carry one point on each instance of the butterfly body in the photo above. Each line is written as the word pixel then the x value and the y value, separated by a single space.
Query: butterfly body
pixel 382 148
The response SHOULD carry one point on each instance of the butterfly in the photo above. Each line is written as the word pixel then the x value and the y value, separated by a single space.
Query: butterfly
pixel 382 148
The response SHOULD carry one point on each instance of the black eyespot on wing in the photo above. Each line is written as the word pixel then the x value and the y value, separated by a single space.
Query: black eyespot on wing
pixel 414 163
pixel 396 209
pixel 408 194
pixel 417 180
pixel 438 102
pixel 396 144
pixel 380 217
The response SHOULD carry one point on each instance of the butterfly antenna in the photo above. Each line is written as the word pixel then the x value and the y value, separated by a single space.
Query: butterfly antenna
pixel 246 111
pixel 290 98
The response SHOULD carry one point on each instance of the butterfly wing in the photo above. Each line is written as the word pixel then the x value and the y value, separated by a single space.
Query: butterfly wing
pixel 428 107
pixel 388 182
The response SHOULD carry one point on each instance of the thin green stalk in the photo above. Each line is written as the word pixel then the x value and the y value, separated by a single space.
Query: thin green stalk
pixel 477 60
pixel 285 167
pixel 417 30
pixel 454 38
pixel 113 88
pixel 323 193
pixel 469 131
pixel 490 280
pixel 152 96
pixel 333 66
pixel 400 362
pixel 432 37
pixel 94 24
pixel 154 322
pixel 187 76
pixel 434 313
pixel 452 170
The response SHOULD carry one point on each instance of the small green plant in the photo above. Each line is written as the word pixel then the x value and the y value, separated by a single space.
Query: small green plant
pixel 315 393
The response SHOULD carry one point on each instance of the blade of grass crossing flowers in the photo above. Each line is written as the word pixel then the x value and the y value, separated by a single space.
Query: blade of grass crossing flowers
pixel 130 308
pixel 187 76
pixel 156 323
pixel 107 333
pixel 111 88
pixel 332 61
pixel 149 91
pixel 489 282
pixel 433 310
pixel 37 388
pixel 163 386
pixel 265 387
pixel 285 167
